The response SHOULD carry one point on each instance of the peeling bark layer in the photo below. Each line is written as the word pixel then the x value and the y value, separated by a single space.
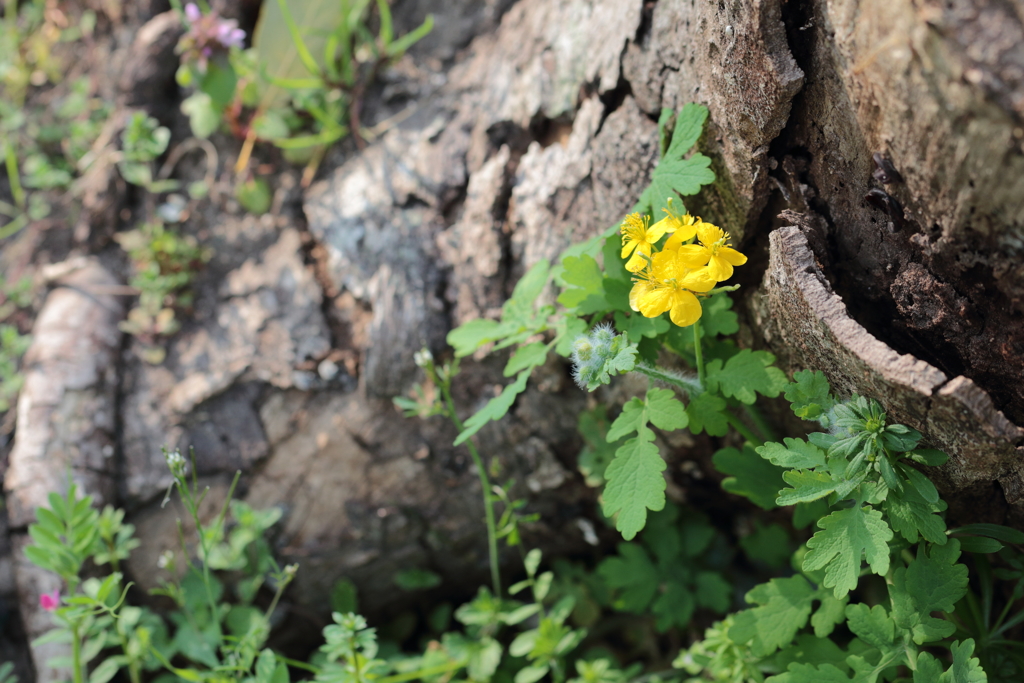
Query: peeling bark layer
pixel 804 315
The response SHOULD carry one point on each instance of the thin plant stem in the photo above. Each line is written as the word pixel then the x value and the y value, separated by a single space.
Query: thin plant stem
pixel 485 484
pixel 355 659
pixel 13 177
pixel 421 673
pixel 281 585
pixel 661 375
pixel 757 417
pixel 76 654
pixel 744 431
pixel 698 352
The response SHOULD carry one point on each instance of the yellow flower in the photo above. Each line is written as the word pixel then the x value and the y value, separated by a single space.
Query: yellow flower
pixel 668 284
pixel 639 235
pixel 682 228
pixel 713 251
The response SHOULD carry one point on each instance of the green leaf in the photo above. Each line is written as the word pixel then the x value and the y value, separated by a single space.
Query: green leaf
pixel 965 669
pixel 813 651
pixel 929 669
pixel 751 476
pixel 636 326
pixel 688 126
pixel 266 663
pixel 807 485
pixel 520 305
pixel 920 482
pixel 705 411
pixel 495 408
pixel 632 419
pixel 711 591
pixel 598 452
pixel 614 264
pixel 784 606
pixel 635 484
pixel 632 573
pixel 203 114
pixel 531 674
pixel 219 82
pixel 675 174
pixel 569 328
pixel 846 537
pixel 932 582
pixel 809 394
pixel 997 531
pixel 584 291
pixel 666 125
pixel 808 673
pixel 414 579
pixel 107 669
pixel 285 45
pixel 796 454
pixel 910 515
pixel 768 544
pixel 928 456
pixel 254 196
pixel 471 335
pixel 673 607
pixel 830 612
pixel 871 624
pixel 665 411
pixel 343 597
pixel 979 545
pixel 805 513
pixel 528 356
pixel 744 374
pixel 718 318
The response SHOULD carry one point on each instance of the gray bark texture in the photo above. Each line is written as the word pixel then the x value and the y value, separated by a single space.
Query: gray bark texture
pixel 870 160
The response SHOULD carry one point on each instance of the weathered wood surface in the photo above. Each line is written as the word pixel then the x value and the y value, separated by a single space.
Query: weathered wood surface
pixel 811 321
pixel 66 424
pixel 522 127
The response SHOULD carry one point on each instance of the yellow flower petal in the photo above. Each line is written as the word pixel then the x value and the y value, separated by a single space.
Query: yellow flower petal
pixel 684 231
pixel 693 255
pixel 709 233
pixel 658 230
pixel 732 256
pixel 700 280
pixel 655 301
pixel 636 262
pixel 639 289
pixel 686 309
pixel 720 268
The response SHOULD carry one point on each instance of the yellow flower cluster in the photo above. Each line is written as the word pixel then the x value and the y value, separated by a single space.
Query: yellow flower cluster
pixel 670 279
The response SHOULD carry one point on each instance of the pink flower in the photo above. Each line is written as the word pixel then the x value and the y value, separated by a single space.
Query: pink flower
pixel 50 601
pixel 192 12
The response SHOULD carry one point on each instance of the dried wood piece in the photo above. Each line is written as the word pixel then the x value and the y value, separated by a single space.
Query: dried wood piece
pixel 65 422
pixel 956 415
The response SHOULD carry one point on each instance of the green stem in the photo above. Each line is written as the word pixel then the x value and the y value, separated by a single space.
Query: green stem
pixel 76 654
pixel 355 659
pixel 741 428
pixel 13 178
pixel 281 585
pixel 698 352
pixel 422 673
pixel 761 423
pixel 485 484
pixel 656 373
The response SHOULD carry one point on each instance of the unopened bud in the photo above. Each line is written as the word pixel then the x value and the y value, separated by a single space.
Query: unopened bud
pixel 582 350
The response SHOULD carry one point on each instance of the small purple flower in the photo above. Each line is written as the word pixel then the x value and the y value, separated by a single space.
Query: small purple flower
pixel 50 601
pixel 207 35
